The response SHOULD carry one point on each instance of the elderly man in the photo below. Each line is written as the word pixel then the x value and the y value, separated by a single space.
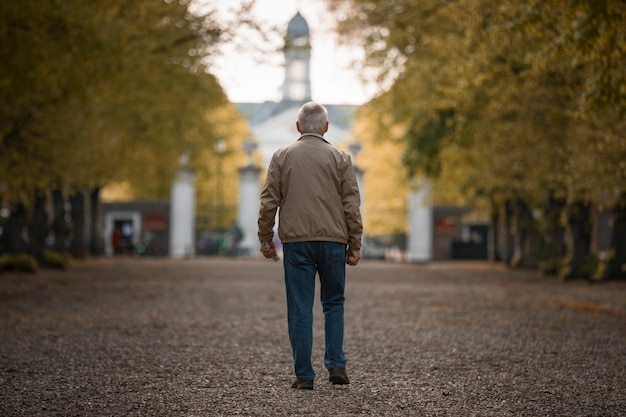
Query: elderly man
pixel 320 227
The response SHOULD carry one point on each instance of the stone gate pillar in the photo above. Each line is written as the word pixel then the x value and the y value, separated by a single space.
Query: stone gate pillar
pixel 183 212
pixel 249 192
pixel 420 238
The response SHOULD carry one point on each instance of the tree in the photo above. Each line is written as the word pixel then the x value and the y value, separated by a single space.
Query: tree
pixel 99 92
pixel 515 104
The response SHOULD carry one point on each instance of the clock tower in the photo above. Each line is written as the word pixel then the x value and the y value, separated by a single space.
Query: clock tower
pixel 297 86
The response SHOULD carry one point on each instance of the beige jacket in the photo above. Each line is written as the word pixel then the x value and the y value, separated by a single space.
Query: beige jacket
pixel 314 185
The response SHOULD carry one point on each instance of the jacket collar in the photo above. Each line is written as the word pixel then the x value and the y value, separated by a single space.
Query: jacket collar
pixel 315 135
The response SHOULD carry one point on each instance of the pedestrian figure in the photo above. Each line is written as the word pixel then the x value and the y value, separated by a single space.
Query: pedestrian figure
pixel 319 225
pixel 116 240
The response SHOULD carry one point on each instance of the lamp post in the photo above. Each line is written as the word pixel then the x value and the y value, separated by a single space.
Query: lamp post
pixel 220 150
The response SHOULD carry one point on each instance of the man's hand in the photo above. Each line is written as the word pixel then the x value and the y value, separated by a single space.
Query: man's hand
pixel 354 255
pixel 269 251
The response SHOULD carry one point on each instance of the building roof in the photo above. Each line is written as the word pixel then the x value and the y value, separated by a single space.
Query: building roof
pixel 338 114
pixel 297 27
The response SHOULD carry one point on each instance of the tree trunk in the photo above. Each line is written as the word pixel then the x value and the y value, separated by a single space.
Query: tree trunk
pixel 93 234
pixel 60 227
pixel 38 228
pixel 581 227
pixel 552 245
pixel 510 232
pixel 494 243
pixel 616 266
pixel 527 235
pixel 11 240
pixel 78 247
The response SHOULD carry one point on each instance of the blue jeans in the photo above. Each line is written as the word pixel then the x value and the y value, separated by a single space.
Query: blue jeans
pixel 302 260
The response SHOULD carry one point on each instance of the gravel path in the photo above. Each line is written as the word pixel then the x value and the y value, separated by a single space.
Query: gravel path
pixel 208 337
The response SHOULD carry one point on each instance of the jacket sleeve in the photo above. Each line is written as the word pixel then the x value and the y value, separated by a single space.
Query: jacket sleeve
pixel 270 200
pixel 351 199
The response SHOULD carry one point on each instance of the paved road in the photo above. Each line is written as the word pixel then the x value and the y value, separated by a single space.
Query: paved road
pixel 207 337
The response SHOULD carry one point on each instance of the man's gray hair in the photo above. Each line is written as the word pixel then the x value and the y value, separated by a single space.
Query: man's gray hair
pixel 312 117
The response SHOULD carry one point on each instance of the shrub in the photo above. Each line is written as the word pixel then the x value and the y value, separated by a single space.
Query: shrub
pixel 18 262
pixel 595 266
pixel 58 260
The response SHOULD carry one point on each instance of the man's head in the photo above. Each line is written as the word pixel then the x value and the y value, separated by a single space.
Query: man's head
pixel 312 118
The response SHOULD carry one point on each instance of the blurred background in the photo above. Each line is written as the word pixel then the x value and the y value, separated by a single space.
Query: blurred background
pixel 480 129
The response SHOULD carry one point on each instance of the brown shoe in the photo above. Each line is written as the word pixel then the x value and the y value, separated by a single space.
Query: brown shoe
pixel 302 384
pixel 338 376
